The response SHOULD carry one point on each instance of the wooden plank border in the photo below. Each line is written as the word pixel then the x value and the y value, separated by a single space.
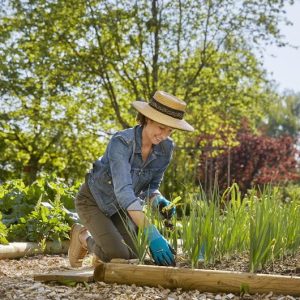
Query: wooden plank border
pixel 202 280
pixel 17 250
pixel 81 275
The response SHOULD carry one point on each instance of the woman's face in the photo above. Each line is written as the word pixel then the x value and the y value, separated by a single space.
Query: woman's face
pixel 156 132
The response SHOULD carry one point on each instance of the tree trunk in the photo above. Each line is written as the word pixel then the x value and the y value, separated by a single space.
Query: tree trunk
pixel 31 169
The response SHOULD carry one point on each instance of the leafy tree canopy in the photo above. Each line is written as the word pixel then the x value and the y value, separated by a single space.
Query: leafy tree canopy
pixel 70 69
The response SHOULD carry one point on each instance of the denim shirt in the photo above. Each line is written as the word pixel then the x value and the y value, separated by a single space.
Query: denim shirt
pixel 120 177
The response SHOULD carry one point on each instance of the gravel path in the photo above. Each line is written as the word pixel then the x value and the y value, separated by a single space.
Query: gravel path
pixel 16 282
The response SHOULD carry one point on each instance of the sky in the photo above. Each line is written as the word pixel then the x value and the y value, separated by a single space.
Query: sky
pixel 283 64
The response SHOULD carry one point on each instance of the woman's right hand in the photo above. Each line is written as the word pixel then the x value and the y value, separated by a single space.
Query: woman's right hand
pixel 160 249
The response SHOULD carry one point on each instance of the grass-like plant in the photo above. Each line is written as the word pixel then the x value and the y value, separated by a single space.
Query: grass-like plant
pixel 220 226
pixel 234 231
pixel 274 227
pixel 200 227
pixel 191 233
pixel 137 235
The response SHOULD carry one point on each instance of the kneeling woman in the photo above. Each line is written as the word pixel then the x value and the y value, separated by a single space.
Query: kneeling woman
pixel 122 180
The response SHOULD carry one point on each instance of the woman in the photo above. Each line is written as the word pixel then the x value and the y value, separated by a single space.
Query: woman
pixel 128 174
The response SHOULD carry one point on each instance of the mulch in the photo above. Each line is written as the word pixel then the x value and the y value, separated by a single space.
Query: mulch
pixel 16 281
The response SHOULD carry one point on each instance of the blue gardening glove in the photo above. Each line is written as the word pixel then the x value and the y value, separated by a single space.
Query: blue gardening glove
pixel 201 255
pixel 161 251
pixel 161 202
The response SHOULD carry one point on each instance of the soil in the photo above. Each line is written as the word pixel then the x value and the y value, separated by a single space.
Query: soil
pixel 16 281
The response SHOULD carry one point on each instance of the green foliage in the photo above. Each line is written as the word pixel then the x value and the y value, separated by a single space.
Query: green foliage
pixel 138 237
pixel 41 224
pixel 69 71
pixel 282 115
pixel 234 220
pixel 18 199
pixel 214 226
pixel 3 232
pixel 274 228
pixel 290 191
pixel 261 224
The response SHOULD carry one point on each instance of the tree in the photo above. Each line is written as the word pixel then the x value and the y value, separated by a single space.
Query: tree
pixel 282 115
pixel 67 65
pixel 44 124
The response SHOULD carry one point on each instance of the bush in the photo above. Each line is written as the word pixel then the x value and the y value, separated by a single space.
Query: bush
pixel 3 232
pixel 257 160
pixel 17 200
pixel 42 224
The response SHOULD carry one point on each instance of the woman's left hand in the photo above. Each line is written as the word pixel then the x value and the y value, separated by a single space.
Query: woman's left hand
pixel 165 207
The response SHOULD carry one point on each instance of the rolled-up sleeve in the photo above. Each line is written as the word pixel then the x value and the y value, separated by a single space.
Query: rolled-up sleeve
pixel 119 153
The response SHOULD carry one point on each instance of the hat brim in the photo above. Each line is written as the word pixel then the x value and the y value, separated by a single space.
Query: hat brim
pixel 151 113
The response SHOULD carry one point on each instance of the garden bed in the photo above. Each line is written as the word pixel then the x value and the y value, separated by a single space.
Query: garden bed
pixel 17 282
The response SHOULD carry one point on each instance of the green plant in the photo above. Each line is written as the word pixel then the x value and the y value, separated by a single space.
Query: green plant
pixel 261 224
pixel 274 227
pixel 3 232
pixel 234 225
pixel 54 186
pixel 17 199
pixel 137 236
pixel 191 233
pixel 42 224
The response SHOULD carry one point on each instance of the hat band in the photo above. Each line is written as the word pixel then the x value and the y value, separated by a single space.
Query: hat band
pixel 177 114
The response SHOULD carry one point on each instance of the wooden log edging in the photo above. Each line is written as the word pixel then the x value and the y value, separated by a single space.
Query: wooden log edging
pixel 17 250
pixel 80 275
pixel 202 280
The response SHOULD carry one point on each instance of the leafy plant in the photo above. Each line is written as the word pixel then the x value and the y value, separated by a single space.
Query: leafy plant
pixel 3 232
pixel 41 224
pixel 17 199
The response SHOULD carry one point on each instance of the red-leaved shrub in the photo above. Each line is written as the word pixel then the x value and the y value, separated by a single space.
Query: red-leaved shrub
pixel 257 160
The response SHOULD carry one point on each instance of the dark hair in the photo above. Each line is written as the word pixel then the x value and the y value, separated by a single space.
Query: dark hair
pixel 141 119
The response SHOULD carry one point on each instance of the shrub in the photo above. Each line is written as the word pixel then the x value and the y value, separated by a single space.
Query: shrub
pixel 42 224
pixel 17 200
pixel 3 232
pixel 257 160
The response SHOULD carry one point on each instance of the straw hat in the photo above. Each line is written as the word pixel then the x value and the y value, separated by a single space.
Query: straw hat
pixel 165 109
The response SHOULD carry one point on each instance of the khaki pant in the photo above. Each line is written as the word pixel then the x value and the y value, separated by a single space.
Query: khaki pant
pixel 110 237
